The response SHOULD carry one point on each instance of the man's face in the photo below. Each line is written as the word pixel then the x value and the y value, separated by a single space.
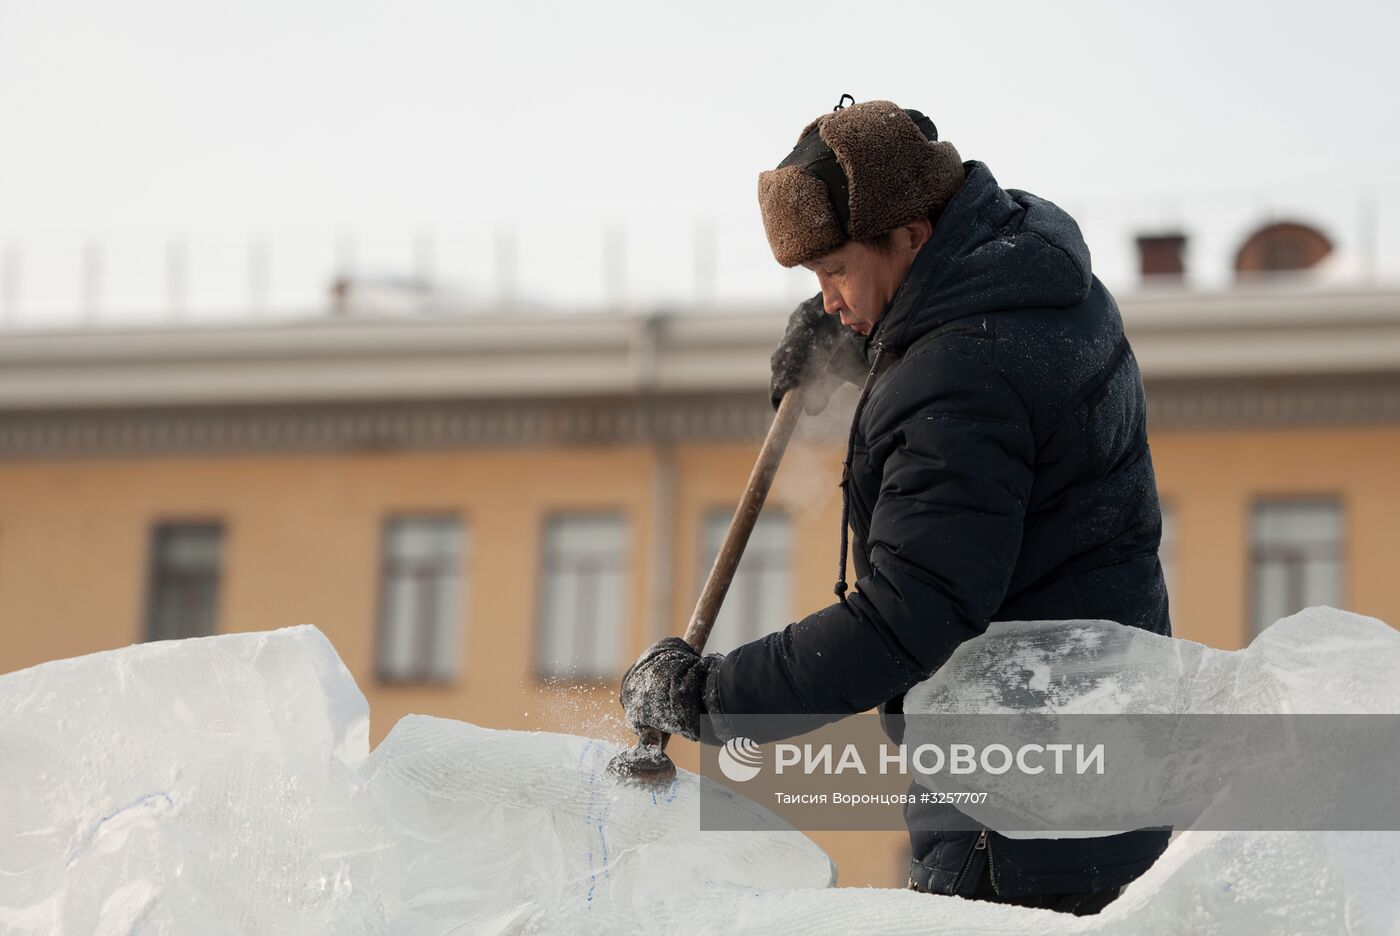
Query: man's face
pixel 858 281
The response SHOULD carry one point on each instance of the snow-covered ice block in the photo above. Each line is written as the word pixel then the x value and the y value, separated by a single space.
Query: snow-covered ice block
pixel 188 786
pixel 1185 770
pixel 1319 661
pixel 223 785
pixel 504 831
pixel 1205 884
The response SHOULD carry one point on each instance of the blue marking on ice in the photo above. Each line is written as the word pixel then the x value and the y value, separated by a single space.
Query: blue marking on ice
pixel 597 822
pixel 671 791
pixel 134 804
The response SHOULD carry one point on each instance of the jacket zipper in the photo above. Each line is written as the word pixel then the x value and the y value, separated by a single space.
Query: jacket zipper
pixel 979 846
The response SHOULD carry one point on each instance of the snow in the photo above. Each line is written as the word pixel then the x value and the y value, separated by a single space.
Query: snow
pixel 225 785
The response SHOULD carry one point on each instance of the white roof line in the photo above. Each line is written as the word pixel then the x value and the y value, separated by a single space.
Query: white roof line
pixel 1177 334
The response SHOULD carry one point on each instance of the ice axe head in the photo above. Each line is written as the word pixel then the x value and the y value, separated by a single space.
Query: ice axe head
pixel 645 765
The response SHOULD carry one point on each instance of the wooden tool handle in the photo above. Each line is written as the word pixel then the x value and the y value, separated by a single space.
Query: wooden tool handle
pixel 745 515
pixel 702 621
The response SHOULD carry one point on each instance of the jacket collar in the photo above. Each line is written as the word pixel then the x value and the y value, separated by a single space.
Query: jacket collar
pixel 991 249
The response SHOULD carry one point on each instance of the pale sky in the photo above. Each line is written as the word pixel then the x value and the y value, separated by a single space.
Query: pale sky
pixel 303 121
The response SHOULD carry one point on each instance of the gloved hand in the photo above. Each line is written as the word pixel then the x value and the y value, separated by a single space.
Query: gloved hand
pixel 665 687
pixel 801 356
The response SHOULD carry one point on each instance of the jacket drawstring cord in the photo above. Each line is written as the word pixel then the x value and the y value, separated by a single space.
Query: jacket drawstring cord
pixel 846 472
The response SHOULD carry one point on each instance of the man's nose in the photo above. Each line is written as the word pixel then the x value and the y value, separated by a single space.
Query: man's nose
pixel 831 301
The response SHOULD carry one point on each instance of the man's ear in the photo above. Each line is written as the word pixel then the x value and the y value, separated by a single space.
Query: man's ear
pixel 916 233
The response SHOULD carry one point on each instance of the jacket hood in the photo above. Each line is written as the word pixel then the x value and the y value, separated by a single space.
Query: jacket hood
pixel 992 249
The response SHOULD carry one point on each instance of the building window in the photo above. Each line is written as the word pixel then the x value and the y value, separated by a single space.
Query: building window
pixel 759 599
pixel 584 594
pixel 420 603
pixel 1297 558
pixel 183 600
pixel 1166 551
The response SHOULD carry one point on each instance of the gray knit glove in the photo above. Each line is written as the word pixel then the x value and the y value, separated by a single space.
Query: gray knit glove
pixel 664 689
pixel 802 355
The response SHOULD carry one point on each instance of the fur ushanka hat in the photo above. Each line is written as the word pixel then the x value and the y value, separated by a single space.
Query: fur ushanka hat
pixel 855 174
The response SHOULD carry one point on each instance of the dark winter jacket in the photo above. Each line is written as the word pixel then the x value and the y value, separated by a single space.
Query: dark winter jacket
pixel 998 470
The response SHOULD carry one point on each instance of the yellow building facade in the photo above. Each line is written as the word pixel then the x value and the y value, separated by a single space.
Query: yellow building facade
pixel 294 465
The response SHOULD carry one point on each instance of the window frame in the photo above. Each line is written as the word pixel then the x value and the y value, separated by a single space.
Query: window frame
pixel 421 674
pixel 1294 558
pixel 157 575
pixel 547 567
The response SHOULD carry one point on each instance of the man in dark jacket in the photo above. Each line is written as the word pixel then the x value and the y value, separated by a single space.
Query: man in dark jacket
pixel 997 467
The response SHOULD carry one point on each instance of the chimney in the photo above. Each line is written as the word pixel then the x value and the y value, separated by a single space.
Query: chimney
pixel 1162 257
